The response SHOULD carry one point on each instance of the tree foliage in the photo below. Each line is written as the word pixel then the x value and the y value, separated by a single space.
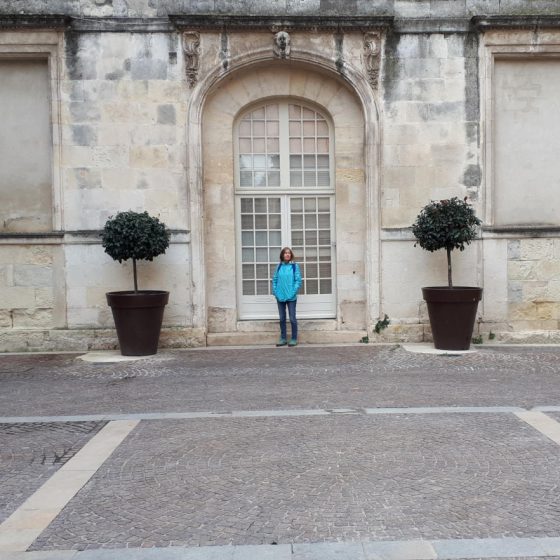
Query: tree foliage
pixel 136 236
pixel 446 224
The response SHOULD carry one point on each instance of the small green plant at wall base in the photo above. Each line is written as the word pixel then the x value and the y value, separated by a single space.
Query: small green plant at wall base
pixel 136 236
pixel 477 339
pixel 364 339
pixel 382 324
pixel 491 336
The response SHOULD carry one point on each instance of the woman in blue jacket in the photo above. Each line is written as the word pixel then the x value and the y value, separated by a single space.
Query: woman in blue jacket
pixel 286 283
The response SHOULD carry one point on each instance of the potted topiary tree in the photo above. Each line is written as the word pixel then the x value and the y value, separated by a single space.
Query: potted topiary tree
pixel 138 314
pixel 449 224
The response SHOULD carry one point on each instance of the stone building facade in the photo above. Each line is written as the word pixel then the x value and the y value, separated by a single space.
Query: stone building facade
pixel 245 126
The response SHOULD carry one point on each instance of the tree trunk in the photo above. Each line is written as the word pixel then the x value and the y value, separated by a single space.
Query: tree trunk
pixel 135 276
pixel 449 279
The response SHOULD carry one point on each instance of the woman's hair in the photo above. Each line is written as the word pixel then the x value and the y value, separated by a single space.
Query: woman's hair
pixel 282 254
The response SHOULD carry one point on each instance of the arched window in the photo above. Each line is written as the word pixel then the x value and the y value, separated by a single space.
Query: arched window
pixel 284 197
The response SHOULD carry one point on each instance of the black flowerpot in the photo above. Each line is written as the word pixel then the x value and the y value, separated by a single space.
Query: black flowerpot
pixel 138 317
pixel 452 313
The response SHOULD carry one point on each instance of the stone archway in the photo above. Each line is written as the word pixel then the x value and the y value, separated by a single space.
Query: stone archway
pixel 213 194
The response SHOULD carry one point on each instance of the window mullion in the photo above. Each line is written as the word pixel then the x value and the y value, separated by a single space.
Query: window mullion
pixel 284 145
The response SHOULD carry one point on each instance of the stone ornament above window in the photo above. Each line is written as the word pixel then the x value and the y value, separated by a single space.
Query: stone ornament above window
pixel 282 44
pixel 191 48
pixel 372 43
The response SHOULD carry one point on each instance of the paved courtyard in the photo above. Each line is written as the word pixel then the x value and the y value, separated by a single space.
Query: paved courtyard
pixel 350 452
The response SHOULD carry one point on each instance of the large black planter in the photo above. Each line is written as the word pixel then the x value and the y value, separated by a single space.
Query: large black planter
pixel 452 313
pixel 138 317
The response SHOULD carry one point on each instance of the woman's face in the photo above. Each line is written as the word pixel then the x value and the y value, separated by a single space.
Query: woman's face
pixel 287 255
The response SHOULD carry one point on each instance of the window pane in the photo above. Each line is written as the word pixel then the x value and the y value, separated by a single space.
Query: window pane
pixel 274 221
pixel 324 237
pixel 259 161
pixel 245 145
pixel 273 179
pixel 323 162
pixel 295 146
pixel 274 205
pixel 311 253
pixel 309 145
pixel 260 221
pixel 309 162
pixel 325 286
pixel 322 146
pixel 324 253
pixel 325 270
pixel 295 111
pixel 245 162
pixel 248 288
pixel 273 162
pixel 272 111
pixel 295 162
pixel 262 255
pixel 260 205
pixel 324 204
pixel 295 128
pixel 263 287
pixel 248 255
pixel 296 204
pixel 262 271
pixel 311 287
pixel 295 179
pixel 323 179
pixel 310 179
pixel 258 113
pixel 311 238
pixel 311 270
pixel 310 221
pixel 248 271
pixel 309 128
pixel 308 113
pixel 258 128
pixel 258 145
pixel 322 128
pixel 273 145
pixel 245 128
pixel 247 222
pixel 247 205
pixel 297 237
pixel 246 179
pixel 311 204
pixel 247 239
pixel 297 221
pixel 275 238
pixel 260 179
pixel 272 128
pixel 324 220
pixel 261 239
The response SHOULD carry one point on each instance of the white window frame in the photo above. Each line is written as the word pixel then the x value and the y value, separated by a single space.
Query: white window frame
pixel 284 192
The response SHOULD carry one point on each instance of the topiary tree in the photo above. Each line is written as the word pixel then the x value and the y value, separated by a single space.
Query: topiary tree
pixel 136 236
pixel 446 224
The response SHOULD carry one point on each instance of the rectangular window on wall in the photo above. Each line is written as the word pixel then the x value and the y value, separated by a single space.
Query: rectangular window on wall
pixel 25 146
pixel 526 143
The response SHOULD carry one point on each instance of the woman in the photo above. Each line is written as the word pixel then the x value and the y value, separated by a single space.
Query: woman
pixel 286 283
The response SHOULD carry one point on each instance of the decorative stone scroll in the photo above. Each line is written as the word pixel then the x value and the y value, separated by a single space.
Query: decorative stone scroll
pixel 372 43
pixel 282 46
pixel 191 48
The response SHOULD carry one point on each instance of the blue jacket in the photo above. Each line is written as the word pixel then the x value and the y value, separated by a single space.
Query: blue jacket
pixel 286 281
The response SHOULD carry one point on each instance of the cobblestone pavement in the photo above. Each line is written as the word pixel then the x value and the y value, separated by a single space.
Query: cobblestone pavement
pixel 314 463
pixel 269 378
pixel 30 453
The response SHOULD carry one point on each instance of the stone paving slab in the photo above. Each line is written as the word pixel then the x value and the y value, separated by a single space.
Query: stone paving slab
pixel 31 453
pixel 260 378
pixel 317 479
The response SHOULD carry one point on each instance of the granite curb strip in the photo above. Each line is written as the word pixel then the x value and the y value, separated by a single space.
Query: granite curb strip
pixel 267 413
pixel 452 549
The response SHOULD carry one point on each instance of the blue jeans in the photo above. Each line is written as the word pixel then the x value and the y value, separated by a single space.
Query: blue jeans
pixel 291 305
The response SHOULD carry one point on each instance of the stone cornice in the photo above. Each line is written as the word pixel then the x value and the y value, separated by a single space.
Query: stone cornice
pixel 20 21
pixel 267 23
pixel 484 23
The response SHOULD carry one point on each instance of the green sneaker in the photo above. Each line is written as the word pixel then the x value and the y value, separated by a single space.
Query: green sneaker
pixel 282 342
pixel 292 342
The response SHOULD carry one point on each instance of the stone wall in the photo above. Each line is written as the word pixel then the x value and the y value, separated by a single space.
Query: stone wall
pixel 140 122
